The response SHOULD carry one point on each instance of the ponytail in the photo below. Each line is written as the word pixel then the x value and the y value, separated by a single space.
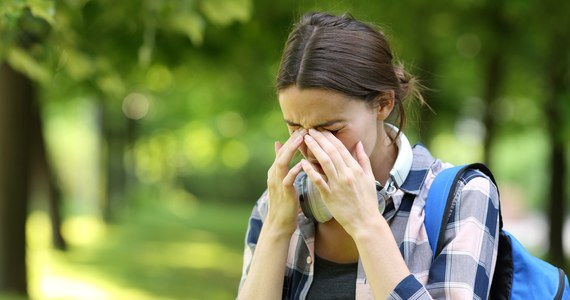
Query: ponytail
pixel 409 90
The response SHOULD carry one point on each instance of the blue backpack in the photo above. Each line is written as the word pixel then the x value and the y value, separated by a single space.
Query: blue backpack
pixel 518 274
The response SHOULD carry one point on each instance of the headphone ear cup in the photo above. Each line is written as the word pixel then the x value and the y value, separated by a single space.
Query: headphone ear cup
pixel 304 199
pixel 320 211
pixel 311 202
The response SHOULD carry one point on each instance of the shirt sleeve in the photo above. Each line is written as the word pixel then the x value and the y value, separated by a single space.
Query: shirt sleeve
pixel 254 225
pixel 464 268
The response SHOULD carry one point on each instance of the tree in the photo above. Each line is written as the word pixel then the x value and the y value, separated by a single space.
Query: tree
pixel 556 74
pixel 16 98
pixel 21 32
pixel 103 60
pixel 110 56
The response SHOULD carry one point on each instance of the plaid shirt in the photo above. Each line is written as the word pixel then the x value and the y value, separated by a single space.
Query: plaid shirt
pixel 464 268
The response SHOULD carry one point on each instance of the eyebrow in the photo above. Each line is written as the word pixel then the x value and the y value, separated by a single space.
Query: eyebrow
pixel 324 124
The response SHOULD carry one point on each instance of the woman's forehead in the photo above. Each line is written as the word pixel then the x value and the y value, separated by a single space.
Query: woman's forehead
pixel 309 100
pixel 317 108
pixel 297 101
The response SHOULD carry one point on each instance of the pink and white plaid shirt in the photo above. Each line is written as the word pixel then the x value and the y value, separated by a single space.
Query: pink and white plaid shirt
pixel 464 268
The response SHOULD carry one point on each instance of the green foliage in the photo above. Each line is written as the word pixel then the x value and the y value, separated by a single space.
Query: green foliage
pixel 104 44
pixel 11 12
pixel 224 12
pixel 205 71
pixel 26 64
pixel 24 26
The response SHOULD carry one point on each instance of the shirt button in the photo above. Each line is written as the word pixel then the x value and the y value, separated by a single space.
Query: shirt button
pixel 309 260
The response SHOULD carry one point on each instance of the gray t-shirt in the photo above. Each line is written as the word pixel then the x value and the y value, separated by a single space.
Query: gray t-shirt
pixel 333 280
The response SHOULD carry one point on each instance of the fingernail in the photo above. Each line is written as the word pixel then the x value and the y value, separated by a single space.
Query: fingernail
pixel 312 131
pixel 309 138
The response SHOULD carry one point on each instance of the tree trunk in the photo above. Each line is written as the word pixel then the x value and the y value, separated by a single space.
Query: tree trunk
pixel 557 205
pixel 132 134
pixel 45 173
pixel 494 79
pixel 555 74
pixel 16 98
pixel 114 143
pixel 494 71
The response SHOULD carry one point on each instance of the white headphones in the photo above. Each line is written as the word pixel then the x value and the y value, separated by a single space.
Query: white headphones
pixel 399 171
pixel 313 206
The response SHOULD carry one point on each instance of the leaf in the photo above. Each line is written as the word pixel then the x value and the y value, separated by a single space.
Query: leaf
pixel 78 65
pixel 10 13
pixel 111 84
pixel 190 24
pixel 23 62
pixel 44 9
pixel 224 12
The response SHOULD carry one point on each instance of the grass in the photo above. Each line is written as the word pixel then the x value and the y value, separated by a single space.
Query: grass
pixel 175 250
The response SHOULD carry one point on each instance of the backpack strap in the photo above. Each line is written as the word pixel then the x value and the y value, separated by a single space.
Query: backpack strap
pixel 439 200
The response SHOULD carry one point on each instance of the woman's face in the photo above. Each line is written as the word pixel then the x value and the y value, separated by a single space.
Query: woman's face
pixel 349 120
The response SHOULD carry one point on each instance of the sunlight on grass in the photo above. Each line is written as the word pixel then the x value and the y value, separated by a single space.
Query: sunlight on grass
pixel 53 287
pixel 52 278
pixel 168 250
pixel 82 231
pixel 197 256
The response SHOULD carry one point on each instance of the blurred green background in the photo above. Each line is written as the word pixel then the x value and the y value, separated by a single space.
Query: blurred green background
pixel 135 136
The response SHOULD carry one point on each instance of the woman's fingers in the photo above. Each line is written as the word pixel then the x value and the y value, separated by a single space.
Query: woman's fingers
pixel 285 152
pixel 292 144
pixel 363 159
pixel 289 180
pixel 283 207
pixel 327 158
pixel 331 147
pixel 342 150
pixel 316 178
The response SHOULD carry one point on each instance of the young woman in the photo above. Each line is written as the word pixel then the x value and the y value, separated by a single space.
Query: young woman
pixel 339 89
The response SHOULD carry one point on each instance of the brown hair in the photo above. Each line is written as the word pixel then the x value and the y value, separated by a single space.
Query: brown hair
pixel 345 55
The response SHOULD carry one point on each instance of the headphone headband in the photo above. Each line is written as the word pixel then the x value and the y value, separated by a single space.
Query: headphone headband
pixel 403 162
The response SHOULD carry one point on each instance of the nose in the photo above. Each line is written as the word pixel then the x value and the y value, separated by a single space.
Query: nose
pixel 307 154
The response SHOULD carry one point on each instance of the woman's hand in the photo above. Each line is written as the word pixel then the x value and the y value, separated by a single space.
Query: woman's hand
pixel 349 190
pixel 283 204
pixel 266 271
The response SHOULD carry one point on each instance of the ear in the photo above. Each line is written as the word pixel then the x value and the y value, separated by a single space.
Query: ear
pixel 385 104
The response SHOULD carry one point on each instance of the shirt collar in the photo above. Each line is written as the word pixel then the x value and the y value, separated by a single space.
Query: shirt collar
pixel 421 164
